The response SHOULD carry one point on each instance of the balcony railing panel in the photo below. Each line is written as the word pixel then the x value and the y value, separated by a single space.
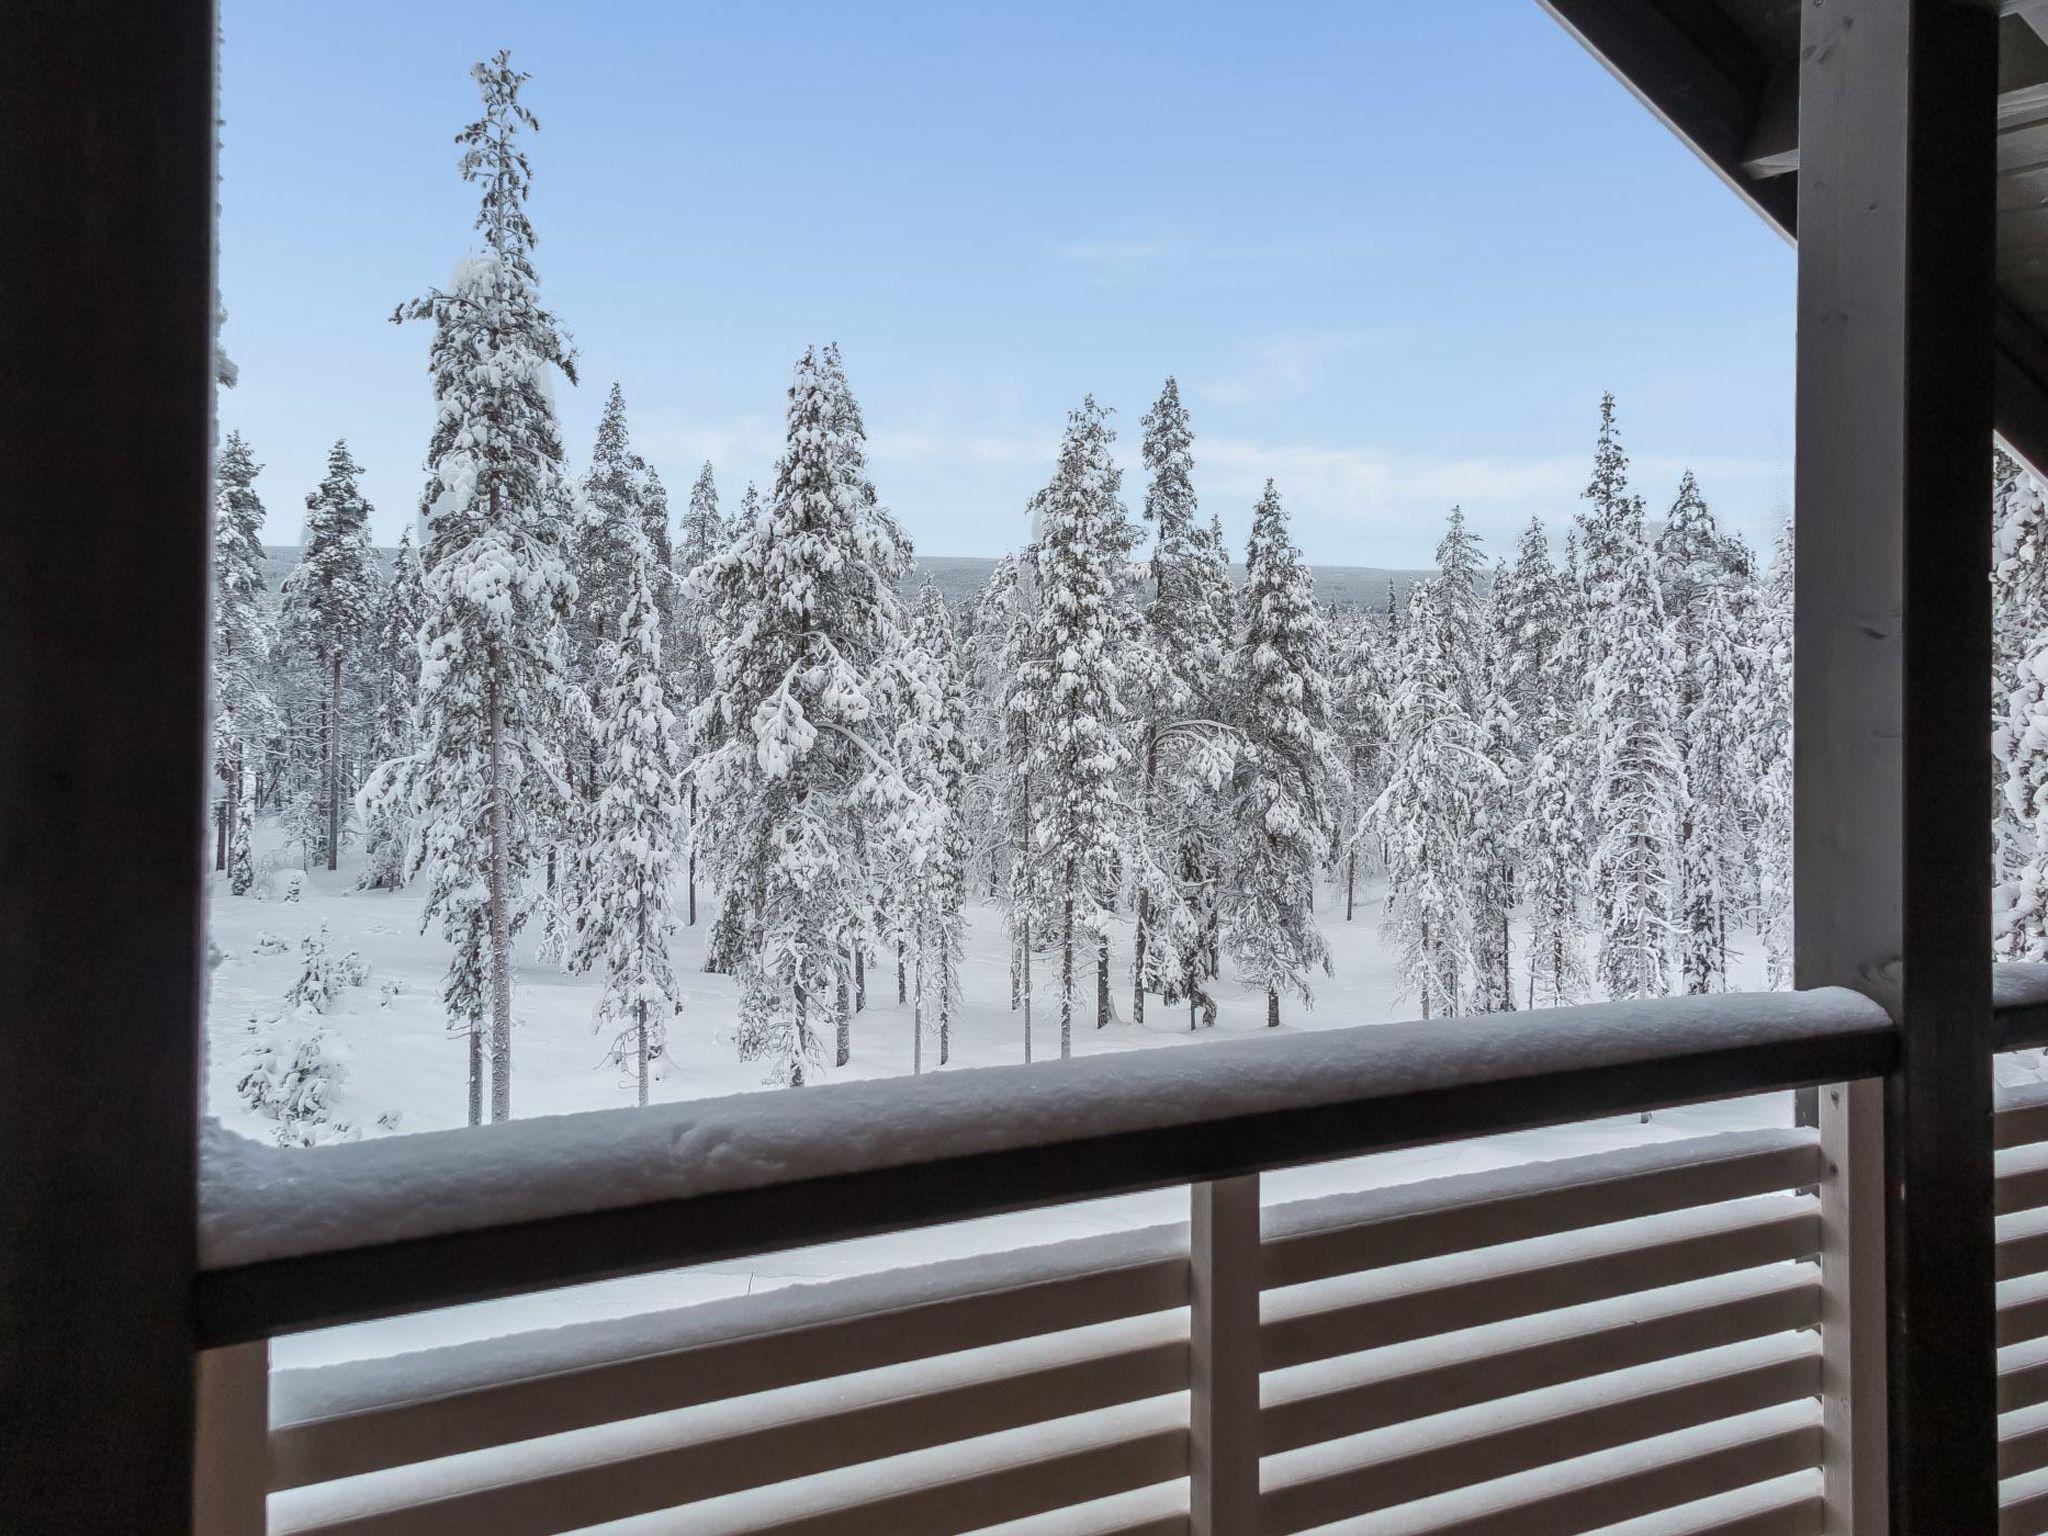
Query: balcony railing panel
pixel 1439 1343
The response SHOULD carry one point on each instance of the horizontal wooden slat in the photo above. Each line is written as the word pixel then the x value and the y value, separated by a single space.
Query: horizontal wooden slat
pixel 2022 1443
pixel 1161 1510
pixel 2022 1311
pixel 407 1223
pixel 1512 1282
pixel 2023 1511
pixel 950 1489
pixel 342 1420
pixel 2022 1180
pixel 2022 1116
pixel 1433 1457
pixel 1605 1489
pixel 1441 1216
pixel 2022 1376
pixel 2022 1246
pixel 536 1488
pixel 1484 1365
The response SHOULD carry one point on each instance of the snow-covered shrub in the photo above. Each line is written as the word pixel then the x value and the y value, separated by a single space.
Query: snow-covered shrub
pixel 296 1090
pixel 268 943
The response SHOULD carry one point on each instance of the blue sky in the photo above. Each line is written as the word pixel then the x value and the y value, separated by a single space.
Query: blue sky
pixel 1393 253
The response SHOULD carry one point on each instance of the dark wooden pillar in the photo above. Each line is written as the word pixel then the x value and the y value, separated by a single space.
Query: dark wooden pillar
pixel 106 341
pixel 1893 868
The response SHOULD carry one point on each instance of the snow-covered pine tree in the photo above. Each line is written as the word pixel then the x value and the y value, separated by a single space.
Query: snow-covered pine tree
pixel 1610 525
pixel 1693 575
pixel 394 663
pixel 331 600
pixel 1184 746
pixel 1493 848
pixel 1535 662
pixel 1074 672
pixel 1767 763
pixel 933 746
pixel 1639 787
pixel 1280 786
pixel 486 780
pixel 1359 685
pixel 702 534
pixel 244 716
pixel 613 520
pixel 797 766
pixel 1423 818
pixel 627 922
pixel 2019 593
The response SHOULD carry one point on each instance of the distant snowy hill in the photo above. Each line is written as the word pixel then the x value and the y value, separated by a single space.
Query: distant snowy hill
pixel 959 577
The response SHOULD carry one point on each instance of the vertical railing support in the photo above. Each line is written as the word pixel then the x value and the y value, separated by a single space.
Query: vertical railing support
pixel 1223 1446
pixel 1892 672
pixel 1852 1309
pixel 231 1470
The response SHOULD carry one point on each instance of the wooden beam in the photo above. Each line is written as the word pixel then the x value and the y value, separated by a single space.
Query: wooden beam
pixel 106 393
pixel 1705 81
pixel 1892 770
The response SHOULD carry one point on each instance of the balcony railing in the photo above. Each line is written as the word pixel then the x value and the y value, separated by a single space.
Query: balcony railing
pixel 1565 1346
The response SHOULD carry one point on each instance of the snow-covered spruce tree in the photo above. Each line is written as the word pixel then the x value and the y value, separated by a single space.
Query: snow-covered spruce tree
pixel 990 815
pixel 485 780
pixel 1074 674
pixel 1280 786
pixel 1423 818
pixel 1639 789
pixel 394 664
pixel 1610 525
pixel 1766 760
pixel 1536 668
pixel 623 504
pixel 693 624
pixel 2019 632
pixel 244 716
pixel 1359 684
pixel 627 923
pixel 1693 576
pixel 331 600
pixel 796 773
pixel 1184 746
pixel 1493 851
pixel 933 746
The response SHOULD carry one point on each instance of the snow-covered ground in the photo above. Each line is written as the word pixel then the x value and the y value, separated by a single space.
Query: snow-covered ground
pixel 406 1073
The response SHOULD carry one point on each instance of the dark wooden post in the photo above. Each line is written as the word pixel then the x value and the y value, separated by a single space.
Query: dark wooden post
pixel 106 331
pixel 1893 652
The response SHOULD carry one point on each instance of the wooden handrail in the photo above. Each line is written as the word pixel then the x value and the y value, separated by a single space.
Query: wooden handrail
pixel 295 1240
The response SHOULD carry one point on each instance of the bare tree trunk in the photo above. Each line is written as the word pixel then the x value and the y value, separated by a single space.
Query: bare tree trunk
pixel 1067 966
pixel 501 919
pixel 476 1074
pixel 1141 939
pixel 917 1020
pixel 945 1003
pixel 1024 949
pixel 1102 982
pixel 860 978
pixel 693 855
pixel 1272 1007
pixel 796 1065
pixel 641 1008
pixel 1016 988
pixel 223 813
pixel 1350 883
pixel 334 761
pixel 840 1001
pixel 902 987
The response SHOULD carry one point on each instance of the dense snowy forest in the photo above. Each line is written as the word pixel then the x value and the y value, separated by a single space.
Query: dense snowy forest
pixel 577 718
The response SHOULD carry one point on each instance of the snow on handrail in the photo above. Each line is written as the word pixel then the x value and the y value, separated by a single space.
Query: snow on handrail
pixel 306 1238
